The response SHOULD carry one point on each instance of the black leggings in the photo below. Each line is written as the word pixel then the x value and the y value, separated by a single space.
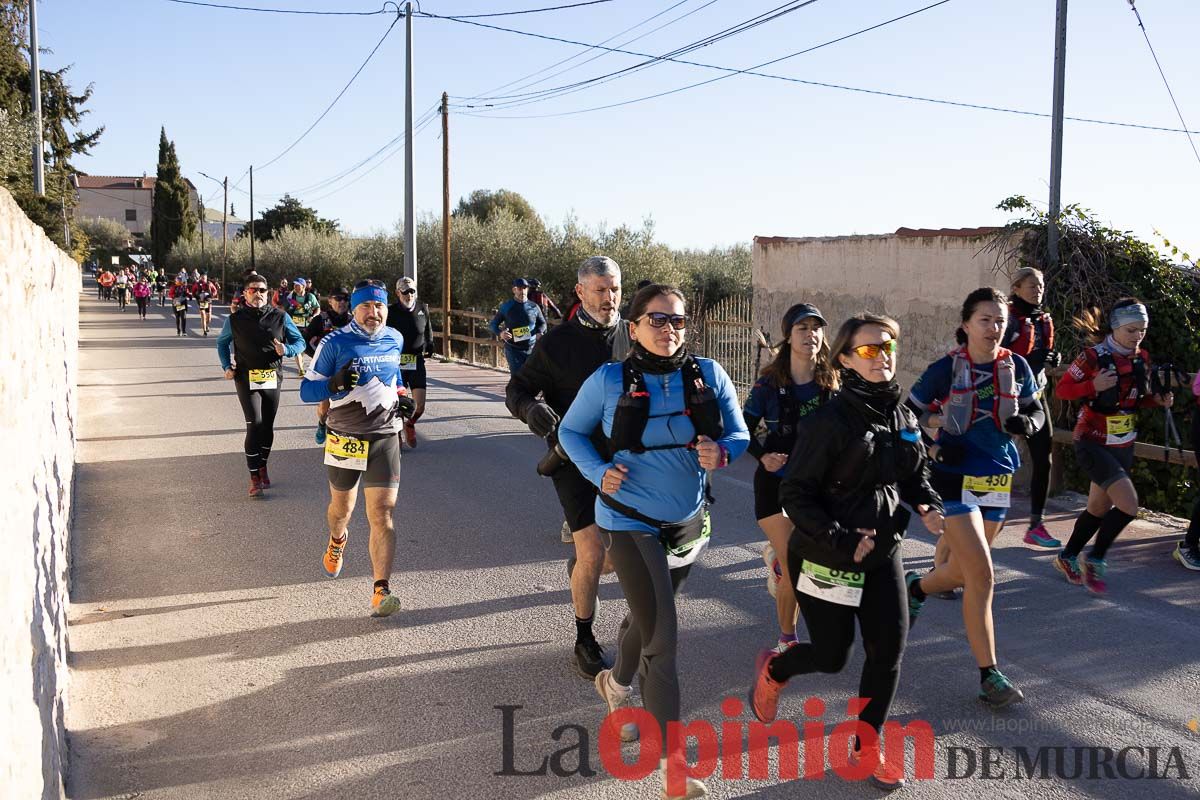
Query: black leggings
pixel 122 297
pixel 258 407
pixel 649 634
pixel 142 302
pixel 883 619
pixel 1193 532
pixel 181 321
pixel 1040 445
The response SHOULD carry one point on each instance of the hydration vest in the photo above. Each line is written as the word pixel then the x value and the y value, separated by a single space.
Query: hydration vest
pixel 783 439
pixel 1033 331
pixel 1131 373
pixel 961 409
pixel 633 409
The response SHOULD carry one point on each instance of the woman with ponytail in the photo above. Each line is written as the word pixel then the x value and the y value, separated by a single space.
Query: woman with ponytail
pixel 799 379
pixel 1112 378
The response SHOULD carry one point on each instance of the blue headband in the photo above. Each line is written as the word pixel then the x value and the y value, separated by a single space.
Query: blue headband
pixel 368 294
pixel 1127 314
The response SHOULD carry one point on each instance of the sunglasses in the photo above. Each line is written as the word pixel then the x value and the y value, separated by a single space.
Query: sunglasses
pixel 340 298
pixel 256 289
pixel 659 319
pixel 869 351
pixel 408 291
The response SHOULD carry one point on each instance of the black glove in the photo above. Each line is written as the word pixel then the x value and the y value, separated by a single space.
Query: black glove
pixel 844 541
pixel 951 453
pixel 542 420
pixel 345 379
pixel 406 405
pixel 1019 425
pixel 1053 359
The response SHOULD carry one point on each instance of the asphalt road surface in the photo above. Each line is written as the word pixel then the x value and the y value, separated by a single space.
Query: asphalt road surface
pixel 211 657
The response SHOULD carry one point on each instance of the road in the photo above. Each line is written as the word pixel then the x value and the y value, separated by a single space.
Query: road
pixel 211 658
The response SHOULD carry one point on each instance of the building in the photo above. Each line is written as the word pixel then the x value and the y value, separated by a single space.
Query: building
pixel 212 224
pixel 124 199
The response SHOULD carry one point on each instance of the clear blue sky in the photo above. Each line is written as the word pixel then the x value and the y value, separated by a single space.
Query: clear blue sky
pixel 714 165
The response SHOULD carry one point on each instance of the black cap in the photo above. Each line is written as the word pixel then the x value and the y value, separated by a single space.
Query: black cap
pixel 798 312
pixel 521 282
pixel 340 293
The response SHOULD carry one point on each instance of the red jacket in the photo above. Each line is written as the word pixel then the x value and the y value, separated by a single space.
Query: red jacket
pixel 1077 384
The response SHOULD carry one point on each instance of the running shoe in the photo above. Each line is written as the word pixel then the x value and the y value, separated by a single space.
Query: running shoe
pixel 590 659
pixel 998 691
pixel 410 434
pixel 566 535
pixel 949 594
pixel 334 557
pixel 1093 575
pixel 783 646
pixel 1069 567
pixel 321 433
pixel 774 570
pixel 914 605
pixel 764 692
pixel 384 603
pixel 1038 536
pixel 885 776
pixel 256 487
pixel 1189 557
pixel 694 790
pixel 262 476
pixel 615 699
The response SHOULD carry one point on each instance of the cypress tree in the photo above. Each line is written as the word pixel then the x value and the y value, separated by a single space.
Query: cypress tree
pixel 171 217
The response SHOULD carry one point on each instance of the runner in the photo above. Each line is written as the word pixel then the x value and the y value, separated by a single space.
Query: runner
pixel 562 360
pixel 543 301
pixel 1112 378
pixel 1030 334
pixel 980 396
pixel 279 296
pixel 141 295
pixel 679 420
pixel 799 379
pixel 322 324
pixel 1187 552
pixel 357 369
pixel 856 459
pixel 251 346
pixel 411 318
pixel 301 306
pixel 518 323
pixel 160 286
pixel 121 287
pixel 106 280
pixel 179 301
pixel 204 292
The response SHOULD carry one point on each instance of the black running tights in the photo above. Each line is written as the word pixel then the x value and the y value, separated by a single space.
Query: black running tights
pixel 1193 532
pixel 181 321
pixel 142 302
pixel 883 619
pixel 1040 445
pixel 258 407
pixel 649 634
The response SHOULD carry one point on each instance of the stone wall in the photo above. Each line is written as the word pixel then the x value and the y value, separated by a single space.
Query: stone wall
pixel 38 377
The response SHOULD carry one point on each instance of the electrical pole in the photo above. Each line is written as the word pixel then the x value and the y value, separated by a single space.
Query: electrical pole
pixel 252 269
pixel 35 75
pixel 1056 131
pixel 224 234
pixel 445 225
pixel 410 232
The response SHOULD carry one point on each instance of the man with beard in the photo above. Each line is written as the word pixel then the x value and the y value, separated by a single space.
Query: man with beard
pixel 324 323
pixel 411 318
pixel 561 361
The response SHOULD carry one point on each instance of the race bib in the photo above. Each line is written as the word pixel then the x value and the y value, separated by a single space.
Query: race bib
pixel 408 361
pixel 831 585
pixel 521 334
pixel 204 305
pixel 988 490
pixel 687 542
pixel 1120 428
pixel 346 452
pixel 180 305
pixel 298 320
pixel 263 379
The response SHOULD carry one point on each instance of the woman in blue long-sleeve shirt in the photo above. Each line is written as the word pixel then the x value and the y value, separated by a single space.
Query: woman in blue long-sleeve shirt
pixel 667 418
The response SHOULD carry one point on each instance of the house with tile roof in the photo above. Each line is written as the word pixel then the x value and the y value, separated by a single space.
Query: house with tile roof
pixel 121 198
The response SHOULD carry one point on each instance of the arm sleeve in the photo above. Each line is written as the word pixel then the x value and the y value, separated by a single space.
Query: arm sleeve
pixel 314 386
pixel 528 382
pixel 737 435
pixel 225 345
pixel 575 430
pixel 752 414
pixel 539 324
pixel 916 491
pixel 1076 382
pixel 494 325
pixel 293 342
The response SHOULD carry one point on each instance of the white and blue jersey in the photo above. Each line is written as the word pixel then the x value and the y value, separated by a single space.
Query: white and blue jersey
pixel 666 485
pixel 371 406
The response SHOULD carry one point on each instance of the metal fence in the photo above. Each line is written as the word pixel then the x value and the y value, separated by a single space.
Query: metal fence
pixel 724 332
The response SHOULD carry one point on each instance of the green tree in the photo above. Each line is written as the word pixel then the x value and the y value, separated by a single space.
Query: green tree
pixel 171 215
pixel 106 238
pixel 483 204
pixel 288 213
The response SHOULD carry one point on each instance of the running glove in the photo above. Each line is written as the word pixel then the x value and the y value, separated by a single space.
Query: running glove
pixel 541 420
pixel 345 379
pixel 406 405
pixel 1019 425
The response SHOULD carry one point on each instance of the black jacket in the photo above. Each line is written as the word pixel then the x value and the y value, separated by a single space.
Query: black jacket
pixel 414 326
pixel 320 325
pixel 561 361
pixel 254 333
pixel 850 469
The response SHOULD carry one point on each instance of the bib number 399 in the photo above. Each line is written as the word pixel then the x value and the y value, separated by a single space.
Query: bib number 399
pixel 346 452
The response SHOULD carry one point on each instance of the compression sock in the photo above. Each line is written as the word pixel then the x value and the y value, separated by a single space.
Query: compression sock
pixel 1110 528
pixel 583 629
pixel 382 585
pixel 916 591
pixel 1085 527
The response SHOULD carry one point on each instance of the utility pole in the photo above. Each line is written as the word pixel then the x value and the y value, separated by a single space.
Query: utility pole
pixel 445 225
pixel 410 233
pixel 1056 131
pixel 35 75
pixel 252 269
pixel 224 234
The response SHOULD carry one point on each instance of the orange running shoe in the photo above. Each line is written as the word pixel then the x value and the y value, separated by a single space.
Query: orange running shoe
pixel 384 603
pixel 333 557
pixel 262 475
pixel 256 487
pixel 764 692
pixel 886 776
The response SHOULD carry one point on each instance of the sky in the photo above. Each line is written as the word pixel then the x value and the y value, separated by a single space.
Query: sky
pixel 741 157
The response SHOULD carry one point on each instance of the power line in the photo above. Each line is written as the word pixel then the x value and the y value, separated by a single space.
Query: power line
pixel 530 10
pixel 416 131
pixel 1164 79
pixel 382 10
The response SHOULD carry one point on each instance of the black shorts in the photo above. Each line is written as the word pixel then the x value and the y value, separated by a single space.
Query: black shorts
pixel 383 466
pixel 576 495
pixel 415 378
pixel 766 493
pixel 1104 465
